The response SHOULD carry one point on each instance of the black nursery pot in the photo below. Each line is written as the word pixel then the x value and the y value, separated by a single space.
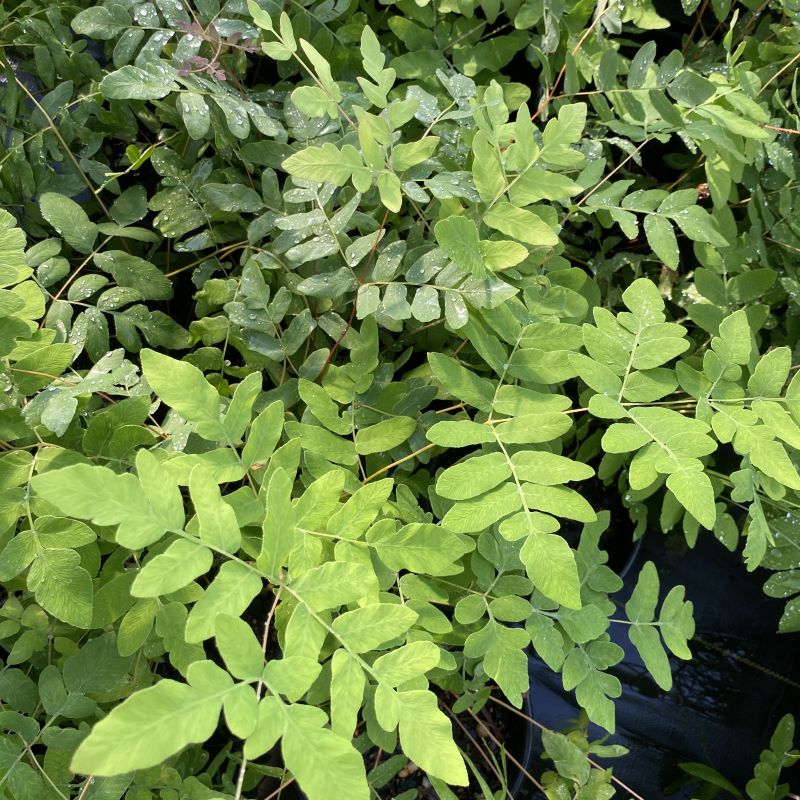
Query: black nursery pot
pixel 518 783
pixel 724 703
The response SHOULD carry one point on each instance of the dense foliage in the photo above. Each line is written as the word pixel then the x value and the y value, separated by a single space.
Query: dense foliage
pixel 333 337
